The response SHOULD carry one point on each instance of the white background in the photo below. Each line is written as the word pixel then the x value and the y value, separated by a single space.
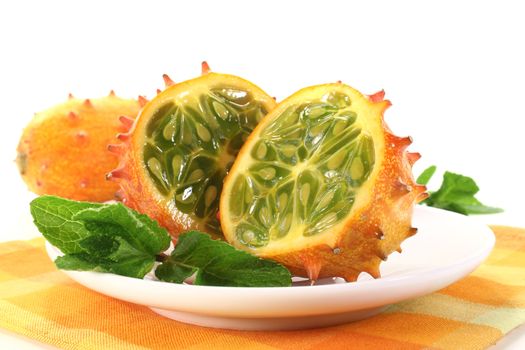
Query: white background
pixel 454 71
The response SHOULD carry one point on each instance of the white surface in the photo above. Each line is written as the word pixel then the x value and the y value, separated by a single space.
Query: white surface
pixel 428 263
pixel 453 70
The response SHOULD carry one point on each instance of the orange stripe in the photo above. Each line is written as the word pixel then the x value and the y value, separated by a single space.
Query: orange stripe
pixel 26 263
pixel 483 291
pixel 509 237
pixel 353 340
pixel 339 337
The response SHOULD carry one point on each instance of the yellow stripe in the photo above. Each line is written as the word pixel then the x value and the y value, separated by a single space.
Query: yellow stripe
pixel 19 246
pixel 19 287
pixel 506 257
pixel 422 329
pixel 502 318
pixel 41 329
pixel 448 307
pixel 511 276
pixel 467 338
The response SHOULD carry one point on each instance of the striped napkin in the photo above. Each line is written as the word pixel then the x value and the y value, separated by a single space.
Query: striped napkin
pixel 42 303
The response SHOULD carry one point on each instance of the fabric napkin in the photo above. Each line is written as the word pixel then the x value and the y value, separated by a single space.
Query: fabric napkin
pixel 42 303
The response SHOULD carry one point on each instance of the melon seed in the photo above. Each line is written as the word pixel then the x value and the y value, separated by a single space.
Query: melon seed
pixel 156 168
pixel 267 173
pixel 221 111
pixel 210 195
pixel 176 162
pixel 196 175
pixel 356 169
pixel 203 133
pixel 336 160
pixel 305 193
pixel 339 126
pixel 261 151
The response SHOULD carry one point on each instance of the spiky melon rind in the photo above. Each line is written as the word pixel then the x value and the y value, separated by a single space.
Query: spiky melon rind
pixel 374 229
pixel 62 151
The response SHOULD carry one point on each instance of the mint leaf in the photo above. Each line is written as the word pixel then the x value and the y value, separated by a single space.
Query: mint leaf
pixel 100 237
pixel 426 175
pixel 217 263
pixel 123 260
pixel 457 194
pixel 138 229
pixel 53 218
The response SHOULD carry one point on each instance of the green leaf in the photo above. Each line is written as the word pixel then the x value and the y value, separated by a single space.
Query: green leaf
pixel 217 263
pixel 426 175
pixel 53 218
pixel 457 194
pixel 100 237
pixel 138 229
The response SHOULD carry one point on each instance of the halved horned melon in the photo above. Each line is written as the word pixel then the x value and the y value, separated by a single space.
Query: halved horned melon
pixel 322 185
pixel 181 146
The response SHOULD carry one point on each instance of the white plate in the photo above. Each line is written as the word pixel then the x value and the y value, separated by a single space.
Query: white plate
pixel 448 246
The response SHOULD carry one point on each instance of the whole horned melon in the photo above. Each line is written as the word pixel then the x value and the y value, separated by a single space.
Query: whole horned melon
pixel 63 152
pixel 322 185
pixel 175 156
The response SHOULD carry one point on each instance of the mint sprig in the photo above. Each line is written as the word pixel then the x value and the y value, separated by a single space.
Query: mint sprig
pixel 114 238
pixel 457 193
pixel 217 263
pixel 99 237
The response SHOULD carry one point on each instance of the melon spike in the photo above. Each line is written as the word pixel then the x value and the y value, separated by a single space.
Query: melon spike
pixel 399 250
pixel 116 148
pixel 401 187
pixel 378 96
pixel 412 231
pixel 112 93
pixel 87 103
pixel 142 101
pixel 374 271
pixel 422 194
pixel 312 268
pixel 420 188
pixel 167 80
pixel 159 91
pixel 382 255
pixel 421 197
pixel 126 121
pixel 400 142
pixel 123 136
pixel 119 173
pixel 120 196
pixel 72 115
pixel 70 96
pixel 205 68
pixel 413 157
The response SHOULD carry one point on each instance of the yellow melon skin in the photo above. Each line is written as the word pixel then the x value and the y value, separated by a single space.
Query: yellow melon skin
pixel 379 220
pixel 63 150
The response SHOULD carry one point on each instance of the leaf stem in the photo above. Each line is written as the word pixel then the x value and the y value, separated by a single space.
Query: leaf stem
pixel 161 257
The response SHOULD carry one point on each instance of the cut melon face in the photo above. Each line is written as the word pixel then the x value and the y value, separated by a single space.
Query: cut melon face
pixel 187 139
pixel 303 172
